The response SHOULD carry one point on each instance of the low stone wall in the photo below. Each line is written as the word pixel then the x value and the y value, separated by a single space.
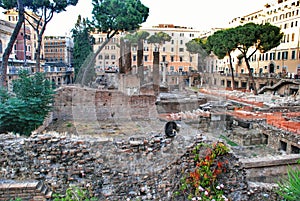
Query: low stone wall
pixel 85 104
pixel 145 168
pixel 26 190
pixel 270 169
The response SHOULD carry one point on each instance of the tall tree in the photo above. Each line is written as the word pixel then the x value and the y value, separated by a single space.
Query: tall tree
pixel 83 43
pixel 253 37
pixel 113 16
pixel 158 39
pixel 19 6
pixel 42 13
pixel 197 46
pixel 223 43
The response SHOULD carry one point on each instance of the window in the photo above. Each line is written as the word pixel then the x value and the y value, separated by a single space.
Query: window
pixel 164 49
pixel 181 59
pixel 293 37
pixel 172 42
pixel 278 56
pixel 181 42
pixel 181 34
pixel 172 49
pixel 134 57
pixel 106 56
pixel 113 56
pixel 191 59
pixel 113 47
pixel 100 56
pixel 164 58
pixel 293 54
pixel 266 57
pixel 172 58
pixel 181 49
pixel 285 55
pixel 146 58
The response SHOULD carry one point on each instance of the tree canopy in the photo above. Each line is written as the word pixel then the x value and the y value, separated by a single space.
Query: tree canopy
pixel 253 37
pixel 159 38
pixel 248 39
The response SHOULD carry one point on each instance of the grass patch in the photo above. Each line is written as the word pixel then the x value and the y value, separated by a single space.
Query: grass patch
pixel 228 141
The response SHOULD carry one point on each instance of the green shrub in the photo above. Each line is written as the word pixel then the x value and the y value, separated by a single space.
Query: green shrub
pixel 289 188
pixel 26 107
pixel 75 194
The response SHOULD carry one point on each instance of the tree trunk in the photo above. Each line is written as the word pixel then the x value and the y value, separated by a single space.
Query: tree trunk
pixel 251 76
pixel 232 73
pixel 11 42
pixel 91 62
pixel 140 65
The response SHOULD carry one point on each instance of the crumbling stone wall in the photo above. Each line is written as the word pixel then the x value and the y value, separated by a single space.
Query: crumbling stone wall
pixel 82 104
pixel 278 136
pixel 144 168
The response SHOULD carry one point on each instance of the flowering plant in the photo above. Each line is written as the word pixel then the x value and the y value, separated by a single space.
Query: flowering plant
pixel 201 183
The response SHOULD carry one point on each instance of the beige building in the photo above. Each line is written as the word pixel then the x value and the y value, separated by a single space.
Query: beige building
pixel 283 60
pixel 108 58
pixel 172 53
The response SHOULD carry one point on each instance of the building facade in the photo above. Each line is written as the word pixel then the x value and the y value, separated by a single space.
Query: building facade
pixel 59 49
pixel 172 53
pixel 108 59
pixel 282 61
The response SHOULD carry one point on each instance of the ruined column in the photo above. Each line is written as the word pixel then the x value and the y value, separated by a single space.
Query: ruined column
pixel 127 55
pixel 140 65
pixel 156 79
pixel 121 59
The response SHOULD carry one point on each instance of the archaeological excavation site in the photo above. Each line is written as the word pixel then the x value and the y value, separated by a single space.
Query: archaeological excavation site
pixel 140 147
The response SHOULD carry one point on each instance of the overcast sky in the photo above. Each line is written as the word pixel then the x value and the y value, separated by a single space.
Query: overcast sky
pixel 199 14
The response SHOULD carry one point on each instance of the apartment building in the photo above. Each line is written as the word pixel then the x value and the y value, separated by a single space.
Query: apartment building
pixel 58 49
pixel 108 58
pixel 283 60
pixel 173 54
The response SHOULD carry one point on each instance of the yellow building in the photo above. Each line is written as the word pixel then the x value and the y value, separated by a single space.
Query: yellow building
pixel 283 60
pixel 173 53
pixel 108 58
